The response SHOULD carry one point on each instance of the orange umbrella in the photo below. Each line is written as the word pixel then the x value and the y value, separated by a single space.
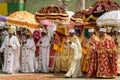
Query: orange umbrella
pixel 22 18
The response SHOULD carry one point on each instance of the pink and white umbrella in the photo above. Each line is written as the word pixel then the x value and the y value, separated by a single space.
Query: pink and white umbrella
pixel 47 23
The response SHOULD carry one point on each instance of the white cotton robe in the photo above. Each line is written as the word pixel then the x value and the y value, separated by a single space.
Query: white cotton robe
pixel 75 68
pixel 44 52
pixel 11 54
pixel 28 56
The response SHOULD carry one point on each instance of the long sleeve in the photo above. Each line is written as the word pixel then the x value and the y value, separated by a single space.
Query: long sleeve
pixel 15 43
pixel 4 44
pixel 77 49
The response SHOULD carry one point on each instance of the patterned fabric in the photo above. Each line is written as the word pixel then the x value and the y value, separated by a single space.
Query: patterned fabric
pixel 118 54
pixel 84 59
pixel 23 18
pixel 92 63
pixel 52 59
pixel 107 57
pixel 60 61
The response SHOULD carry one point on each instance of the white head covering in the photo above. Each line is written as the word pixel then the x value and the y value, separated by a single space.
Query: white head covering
pixel 108 29
pixel 71 31
pixel 102 29
pixel 90 30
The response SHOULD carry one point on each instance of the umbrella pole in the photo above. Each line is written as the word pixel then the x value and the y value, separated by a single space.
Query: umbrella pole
pixel 83 5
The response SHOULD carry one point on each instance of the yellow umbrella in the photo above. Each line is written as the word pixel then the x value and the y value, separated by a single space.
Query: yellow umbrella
pixel 22 18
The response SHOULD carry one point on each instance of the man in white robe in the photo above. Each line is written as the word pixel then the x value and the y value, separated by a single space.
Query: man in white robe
pixel 11 47
pixel 75 68
pixel 44 52
pixel 28 55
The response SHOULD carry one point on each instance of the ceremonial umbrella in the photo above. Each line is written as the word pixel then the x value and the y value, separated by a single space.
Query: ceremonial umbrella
pixel 53 13
pixel 111 18
pixel 100 7
pixel 22 19
pixel 78 18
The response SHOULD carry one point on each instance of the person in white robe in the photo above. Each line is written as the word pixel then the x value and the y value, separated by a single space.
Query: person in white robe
pixel 28 54
pixel 75 68
pixel 11 47
pixel 44 52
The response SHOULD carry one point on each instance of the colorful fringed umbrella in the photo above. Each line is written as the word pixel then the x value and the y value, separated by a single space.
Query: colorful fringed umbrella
pixel 22 18
pixel 46 22
pixel 53 13
pixel 101 7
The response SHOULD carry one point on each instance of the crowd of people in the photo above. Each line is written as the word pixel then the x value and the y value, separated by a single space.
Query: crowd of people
pixel 52 51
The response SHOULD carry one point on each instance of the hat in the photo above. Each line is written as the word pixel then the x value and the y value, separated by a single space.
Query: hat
pixel 108 29
pixel 71 31
pixel 28 33
pixel 77 30
pixel 91 30
pixel 18 29
pixel 102 29
pixel 10 30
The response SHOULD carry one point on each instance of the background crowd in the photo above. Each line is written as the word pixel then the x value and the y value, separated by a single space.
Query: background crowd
pixel 48 50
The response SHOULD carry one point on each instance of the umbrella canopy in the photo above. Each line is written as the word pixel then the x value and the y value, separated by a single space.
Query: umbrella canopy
pixel 111 18
pixel 46 22
pixel 100 7
pixel 79 16
pixel 22 18
pixel 54 13
pixel 3 18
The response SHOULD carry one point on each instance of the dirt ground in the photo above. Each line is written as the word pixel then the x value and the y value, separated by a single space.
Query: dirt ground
pixel 43 76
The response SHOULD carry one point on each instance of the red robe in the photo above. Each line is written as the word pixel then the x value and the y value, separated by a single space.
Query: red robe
pixel 92 63
pixel 107 58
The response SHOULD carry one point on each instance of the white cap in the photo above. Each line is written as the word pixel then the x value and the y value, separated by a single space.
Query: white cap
pixel 71 30
pixel 102 29
pixel 90 30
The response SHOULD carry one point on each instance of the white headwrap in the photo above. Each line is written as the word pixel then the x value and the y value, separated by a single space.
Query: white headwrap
pixel 102 29
pixel 90 30
pixel 72 30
